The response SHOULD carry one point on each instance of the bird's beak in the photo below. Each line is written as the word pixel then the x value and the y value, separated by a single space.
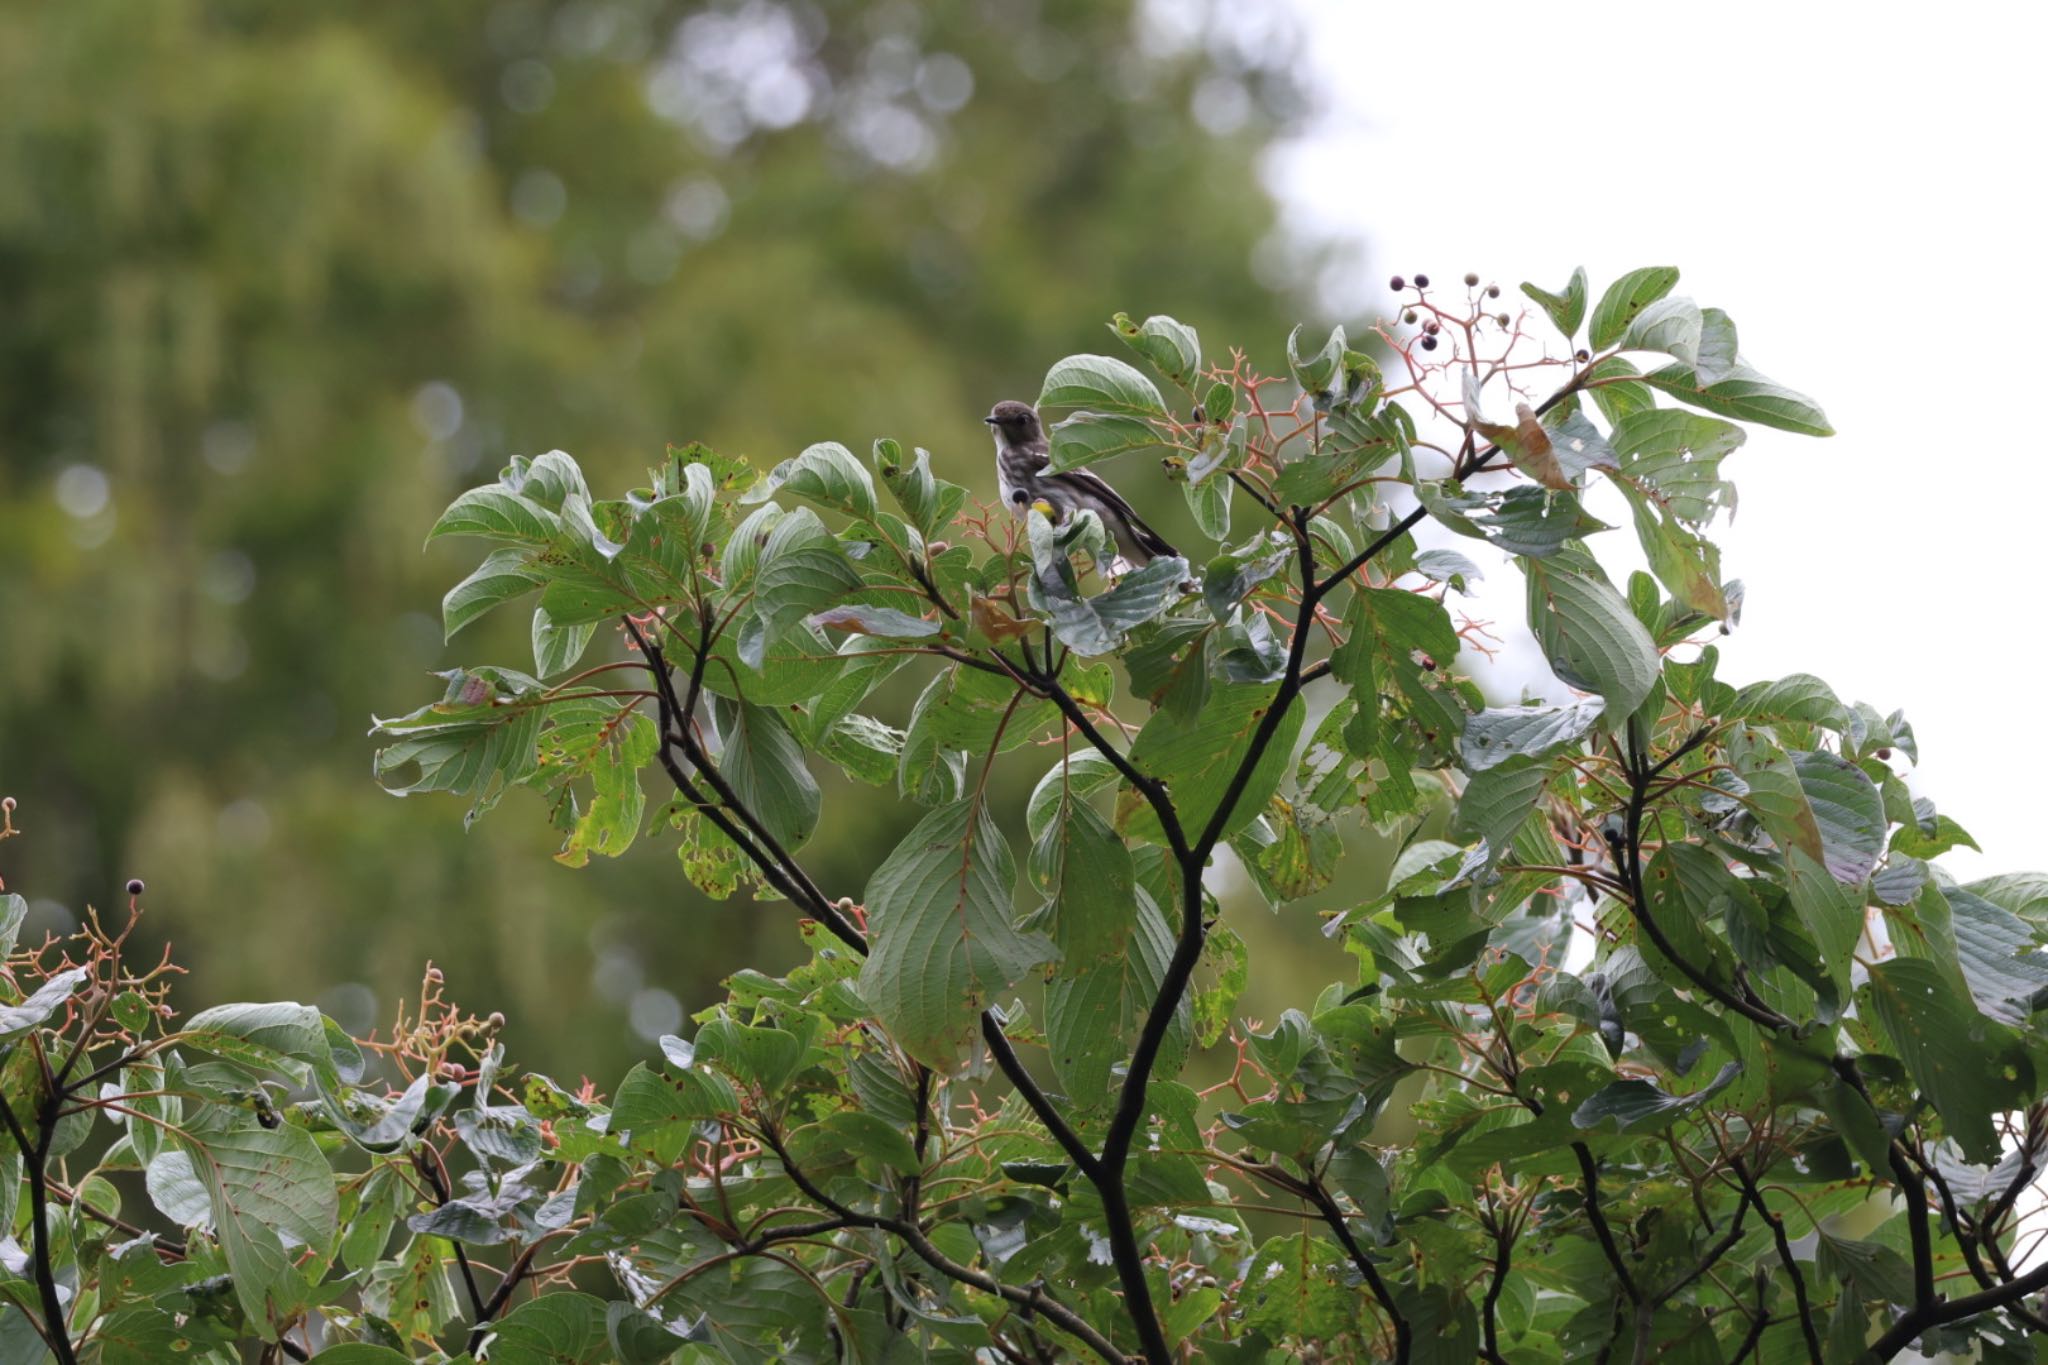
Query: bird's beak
pixel 990 420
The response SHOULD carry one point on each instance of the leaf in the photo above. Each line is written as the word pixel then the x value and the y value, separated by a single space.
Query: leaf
pixel 1235 573
pixel 1493 736
pixel 1670 325
pixel 1448 566
pixel 941 940
pixel 1746 396
pixel 276 1037
pixel 884 622
pixel 1085 873
pixel 1718 346
pixel 1686 564
pixel 1095 1005
pixel 865 1135
pixel 827 474
pixel 265 1185
pixel 1100 381
pixel 1171 346
pixel 504 575
pixel 493 512
pixel 1847 811
pixel 2000 959
pixel 802 569
pixel 1498 799
pixel 929 502
pixel 1640 1107
pixel 1951 1052
pixel 1590 638
pixel 1315 373
pixel 1528 444
pixel 19 1019
pixel 1627 297
pixel 1087 437
pixel 1674 457
pixel 1797 697
pixel 766 767
pixel 1198 760
pixel 1566 310
pixel 559 1328
pixel 556 648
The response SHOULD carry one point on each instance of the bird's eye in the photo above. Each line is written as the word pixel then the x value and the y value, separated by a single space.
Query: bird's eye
pixel 1020 497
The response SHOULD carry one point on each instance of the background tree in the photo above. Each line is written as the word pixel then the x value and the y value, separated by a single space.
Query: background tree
pixel 280 280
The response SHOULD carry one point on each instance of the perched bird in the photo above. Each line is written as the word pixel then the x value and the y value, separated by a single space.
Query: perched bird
pixel 1022 454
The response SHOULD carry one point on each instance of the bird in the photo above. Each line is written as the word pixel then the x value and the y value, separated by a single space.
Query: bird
pixel 1022 454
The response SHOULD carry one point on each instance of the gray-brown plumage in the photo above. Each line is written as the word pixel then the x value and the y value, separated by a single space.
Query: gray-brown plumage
pixel 1022 454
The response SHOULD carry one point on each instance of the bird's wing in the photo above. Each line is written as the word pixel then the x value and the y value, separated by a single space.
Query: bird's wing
pixel 1087 486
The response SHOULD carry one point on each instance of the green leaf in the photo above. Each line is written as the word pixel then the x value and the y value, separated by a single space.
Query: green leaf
pixel 1847 811
pixel 801 570
pixel 1640 1107
pixel 928 501
pixel 19 1019
pixel 827 474
pixel 1589 636
pixel 1670 325
pixel 1685 563
pixel 504 575
pixel 1100 381
pixel 1674 458
pixel 2000 959
pixel 941 940
pixel 1198 760
pixel 556 648
pixel 263 1185
pixel 1498 799
pixel 563 1327
pixel 1087 437
pixel 1746 396
pixel 1718 346
pixel 1494 736
pixel 492 512
pixel 865 1135
pixel 1627 297
pixel 1566 310
pixel 1951 1052
pixel 1095 1005
pixel 765 765
pixel 882 622
pixel 1171 346
pixel 612 820
pixel 1317 373
pixel 1085 874
pixel 276 1037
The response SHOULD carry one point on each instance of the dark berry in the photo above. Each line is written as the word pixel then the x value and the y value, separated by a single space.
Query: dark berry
pixel 1422 281
pixel 1505 320
pixel 1582 356
pixel 1471 279
pixel 135 886
pixel 1397 284
pixel 1493 291
pixel 1432 327
pixel 1885 755
pixel 1429 343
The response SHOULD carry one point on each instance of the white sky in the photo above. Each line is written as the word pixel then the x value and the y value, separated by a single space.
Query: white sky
pixel 1859 187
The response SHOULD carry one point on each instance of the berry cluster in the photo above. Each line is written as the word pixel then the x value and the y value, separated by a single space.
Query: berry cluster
pixel 1431 327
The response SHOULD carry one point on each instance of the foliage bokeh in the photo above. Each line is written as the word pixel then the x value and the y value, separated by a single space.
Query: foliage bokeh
pixel 280 279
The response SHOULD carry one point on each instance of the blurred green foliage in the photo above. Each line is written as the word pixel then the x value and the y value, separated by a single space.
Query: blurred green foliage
pixel 275 280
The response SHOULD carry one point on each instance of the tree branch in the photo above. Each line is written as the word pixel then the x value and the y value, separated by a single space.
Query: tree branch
pixel 1785 1257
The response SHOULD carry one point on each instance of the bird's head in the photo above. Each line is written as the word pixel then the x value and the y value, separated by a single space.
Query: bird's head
pixel 1015 423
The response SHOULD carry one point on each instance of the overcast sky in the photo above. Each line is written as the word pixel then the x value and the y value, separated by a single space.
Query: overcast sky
pixel 1860 192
